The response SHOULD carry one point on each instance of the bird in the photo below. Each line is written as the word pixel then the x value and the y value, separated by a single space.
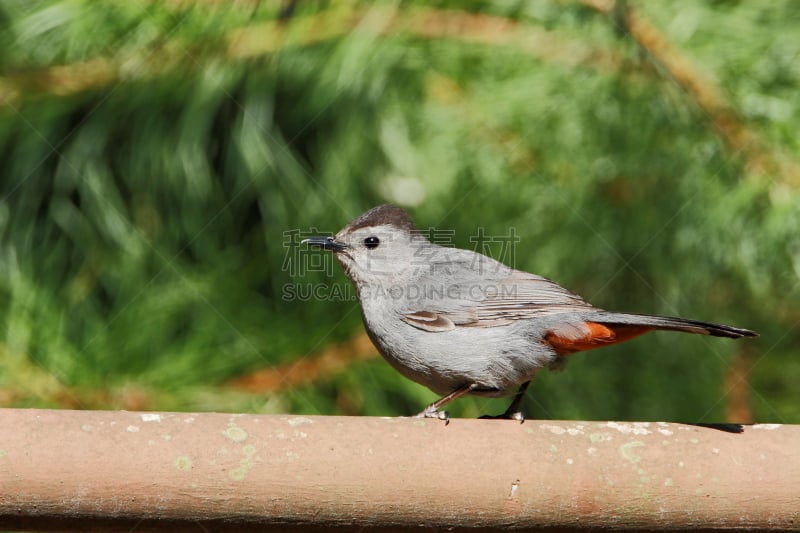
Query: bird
pixel 460 322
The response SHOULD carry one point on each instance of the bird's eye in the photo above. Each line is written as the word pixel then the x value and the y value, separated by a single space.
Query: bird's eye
pixel 372 242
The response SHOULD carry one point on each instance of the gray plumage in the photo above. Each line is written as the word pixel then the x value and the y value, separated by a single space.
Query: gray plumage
pixel 460 322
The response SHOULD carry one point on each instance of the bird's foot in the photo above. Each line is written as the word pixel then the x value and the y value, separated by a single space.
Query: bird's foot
pixel 508 415
pixel 432 412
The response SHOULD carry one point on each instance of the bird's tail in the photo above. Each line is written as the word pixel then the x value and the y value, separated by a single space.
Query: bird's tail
pixel 668 323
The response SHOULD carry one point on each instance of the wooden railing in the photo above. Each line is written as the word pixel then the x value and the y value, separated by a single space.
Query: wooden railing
pixel 112 470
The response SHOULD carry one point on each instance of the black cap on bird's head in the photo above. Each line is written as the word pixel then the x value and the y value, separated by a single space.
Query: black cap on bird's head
pixel 386 214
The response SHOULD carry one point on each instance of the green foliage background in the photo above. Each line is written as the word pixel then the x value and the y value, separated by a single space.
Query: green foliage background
pixel 151 167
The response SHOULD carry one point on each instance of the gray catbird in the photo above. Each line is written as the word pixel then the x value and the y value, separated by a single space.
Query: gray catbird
pixel 460 322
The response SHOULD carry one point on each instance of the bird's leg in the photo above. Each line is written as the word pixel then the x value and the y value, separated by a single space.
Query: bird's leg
pixel 432 411
pixel 513 412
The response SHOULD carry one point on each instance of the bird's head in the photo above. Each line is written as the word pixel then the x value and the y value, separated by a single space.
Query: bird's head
pixel 377 247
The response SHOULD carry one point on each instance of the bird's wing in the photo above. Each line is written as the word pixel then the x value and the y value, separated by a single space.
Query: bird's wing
pixel 527 296
pixel 471 290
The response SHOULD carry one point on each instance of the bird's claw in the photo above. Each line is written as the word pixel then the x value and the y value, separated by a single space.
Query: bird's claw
pixel 432 412
pixel 515 415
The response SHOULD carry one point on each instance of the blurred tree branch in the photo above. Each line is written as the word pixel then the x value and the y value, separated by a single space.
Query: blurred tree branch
pixel 268 38
pixel 262 39
pixel 305 370
pixel 702 90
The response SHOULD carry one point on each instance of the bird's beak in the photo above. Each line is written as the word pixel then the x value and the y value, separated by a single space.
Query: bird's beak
pixel 326 243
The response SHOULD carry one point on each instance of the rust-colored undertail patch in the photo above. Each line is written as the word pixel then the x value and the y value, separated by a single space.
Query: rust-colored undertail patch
pixel 599 335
